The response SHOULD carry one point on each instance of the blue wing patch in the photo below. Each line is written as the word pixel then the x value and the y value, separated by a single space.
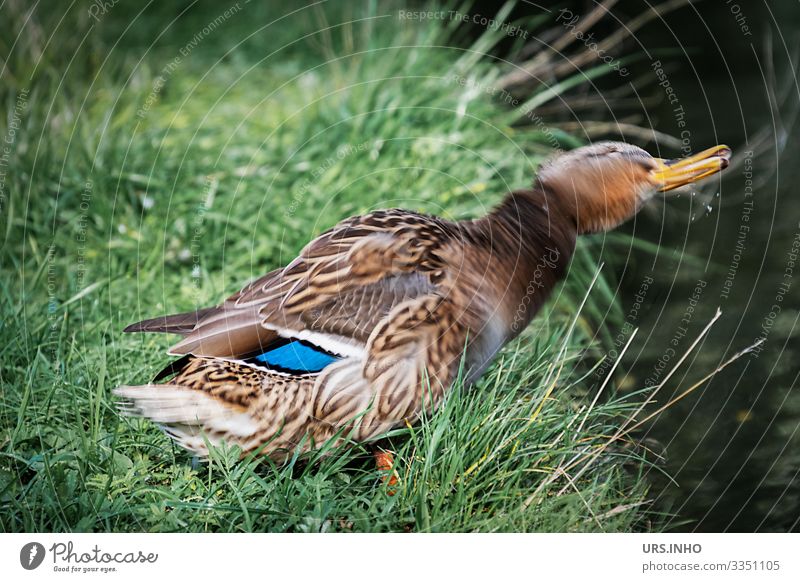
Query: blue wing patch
pixel 297 356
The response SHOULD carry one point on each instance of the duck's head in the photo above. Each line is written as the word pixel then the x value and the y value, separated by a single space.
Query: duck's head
pixel 605 184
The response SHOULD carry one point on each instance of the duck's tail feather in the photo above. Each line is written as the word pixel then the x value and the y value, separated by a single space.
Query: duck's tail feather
pixel 191 417
pixel 180 323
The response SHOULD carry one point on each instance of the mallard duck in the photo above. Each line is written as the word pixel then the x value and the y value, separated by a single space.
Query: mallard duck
pixel 369 325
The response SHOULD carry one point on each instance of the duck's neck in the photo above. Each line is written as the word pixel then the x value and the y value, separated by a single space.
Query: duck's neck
pixel 532 235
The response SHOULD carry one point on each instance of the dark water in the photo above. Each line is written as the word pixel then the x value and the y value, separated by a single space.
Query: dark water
pixel 733 446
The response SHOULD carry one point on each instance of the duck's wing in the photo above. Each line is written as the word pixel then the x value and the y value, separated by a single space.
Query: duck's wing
pixel 333 295
pixel 410 361
pixel 371 299
pixel 229 331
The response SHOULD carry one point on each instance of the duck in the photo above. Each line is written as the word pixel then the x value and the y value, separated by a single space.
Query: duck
pixel 370 326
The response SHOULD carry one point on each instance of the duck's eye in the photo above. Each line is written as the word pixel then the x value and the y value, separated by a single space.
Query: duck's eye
pixel 603 154
pixel 614 154
pixel 650 164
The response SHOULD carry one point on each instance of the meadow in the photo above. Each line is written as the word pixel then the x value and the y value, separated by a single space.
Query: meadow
pixel 155 161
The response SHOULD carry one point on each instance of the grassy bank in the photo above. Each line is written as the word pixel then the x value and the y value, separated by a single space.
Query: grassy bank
pixel 157 165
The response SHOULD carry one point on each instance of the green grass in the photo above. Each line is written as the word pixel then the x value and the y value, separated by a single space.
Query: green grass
pixel 123 201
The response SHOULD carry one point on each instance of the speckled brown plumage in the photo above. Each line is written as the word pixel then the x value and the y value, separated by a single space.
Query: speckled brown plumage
pixel 399 298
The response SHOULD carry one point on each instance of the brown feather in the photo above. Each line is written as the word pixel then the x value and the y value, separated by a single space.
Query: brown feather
pixel 227 333
pixel 180 323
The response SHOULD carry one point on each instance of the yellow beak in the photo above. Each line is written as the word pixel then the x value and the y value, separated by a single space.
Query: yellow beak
pixel 676 173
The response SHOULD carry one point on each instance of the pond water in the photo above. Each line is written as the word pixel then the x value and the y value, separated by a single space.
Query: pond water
pixel 733 446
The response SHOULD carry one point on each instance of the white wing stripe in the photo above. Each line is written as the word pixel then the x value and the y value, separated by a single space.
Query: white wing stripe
pixel 335 344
